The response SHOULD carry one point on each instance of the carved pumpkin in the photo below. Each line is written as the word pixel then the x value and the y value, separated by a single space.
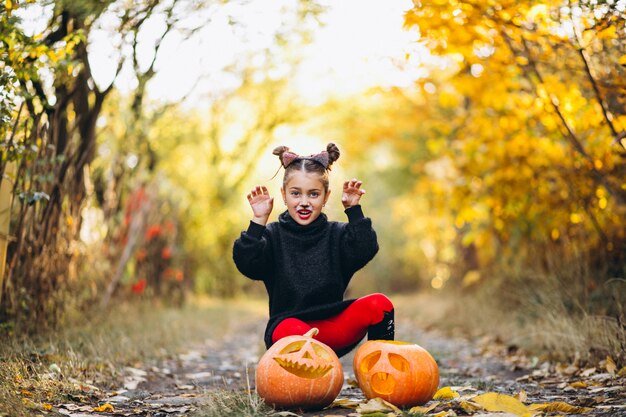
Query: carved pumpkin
pixel 404 374
pixel 299 372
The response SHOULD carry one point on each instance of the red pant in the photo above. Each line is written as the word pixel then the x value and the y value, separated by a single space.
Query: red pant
pixel 343 330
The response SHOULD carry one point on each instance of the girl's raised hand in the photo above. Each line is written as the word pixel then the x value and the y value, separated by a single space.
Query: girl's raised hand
pixel 261 203
pixel 351 193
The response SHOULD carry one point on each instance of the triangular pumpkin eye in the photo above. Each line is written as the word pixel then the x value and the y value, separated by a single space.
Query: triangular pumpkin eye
pixel 370 360
pixel 321 352
pixel 398 362
pixel 293 347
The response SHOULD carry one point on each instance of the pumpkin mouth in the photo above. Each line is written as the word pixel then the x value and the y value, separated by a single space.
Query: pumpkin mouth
pixel 303 370
pixel 383 383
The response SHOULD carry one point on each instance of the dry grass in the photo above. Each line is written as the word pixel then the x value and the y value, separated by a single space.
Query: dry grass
pixel 227 403
pixel 563 313
pixel 51 368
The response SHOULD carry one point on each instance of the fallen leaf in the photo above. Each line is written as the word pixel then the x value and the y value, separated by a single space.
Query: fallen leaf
pixel 463 388
pixel 588 372
pixel 579 384
pixel 377 405
pixel 492 401
pixel 178 410
pixel 424 410
pixel 449 413
pixel 605 389
pixel 560 406
pixel 104 408
pixel 47 407
pixel 470 407
pixel 445 393
pixel 26 393
pixel 74 407
pixel 522 396
pixel 345 403
pixel 622 372
pixel 611 367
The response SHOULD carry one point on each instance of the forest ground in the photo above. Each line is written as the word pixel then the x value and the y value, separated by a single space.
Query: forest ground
pixel 199 361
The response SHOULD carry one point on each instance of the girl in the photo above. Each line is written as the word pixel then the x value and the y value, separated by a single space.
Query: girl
pixel 306 261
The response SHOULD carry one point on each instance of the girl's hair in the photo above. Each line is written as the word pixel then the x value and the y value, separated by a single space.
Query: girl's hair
pixel 306 164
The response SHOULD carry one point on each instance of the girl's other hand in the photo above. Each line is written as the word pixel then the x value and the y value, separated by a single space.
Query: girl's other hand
pixel 261 203
pixel 351 193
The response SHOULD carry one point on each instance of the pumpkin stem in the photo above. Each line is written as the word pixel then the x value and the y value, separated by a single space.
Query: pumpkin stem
pixel 312 332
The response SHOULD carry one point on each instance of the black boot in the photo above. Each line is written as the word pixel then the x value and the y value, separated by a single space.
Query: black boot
pixel 384 330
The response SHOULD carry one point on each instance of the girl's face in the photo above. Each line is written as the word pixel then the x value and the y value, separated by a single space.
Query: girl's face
pixel 305 196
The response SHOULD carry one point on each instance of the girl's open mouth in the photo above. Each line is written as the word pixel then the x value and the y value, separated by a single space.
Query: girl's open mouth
pixel 304 214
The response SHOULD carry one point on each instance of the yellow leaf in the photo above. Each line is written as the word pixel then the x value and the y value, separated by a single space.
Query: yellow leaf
pixel 470 407
pixel 445 393
pixel 578 384
pixel 493 401
pixel 346 403
pixel 8 4
pixel 622 372
pixel 377 405
pixel 26 393
pixel 561 407
pixel 47 407
pixel 611 367
pixel 449 413
pixel 608 33
pixel 622 60
pixel 424 410
pixel 104 408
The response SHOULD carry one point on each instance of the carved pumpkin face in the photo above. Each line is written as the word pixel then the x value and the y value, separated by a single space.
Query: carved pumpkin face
pixel 299 372
pixel 305 358
pixel 402 373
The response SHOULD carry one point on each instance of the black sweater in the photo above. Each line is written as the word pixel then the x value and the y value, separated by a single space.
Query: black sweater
pixel 305 269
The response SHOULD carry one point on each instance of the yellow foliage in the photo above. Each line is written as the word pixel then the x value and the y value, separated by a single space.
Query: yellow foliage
pixel 560 407
pixel 493 401
pixel 445 393
pixel 104 408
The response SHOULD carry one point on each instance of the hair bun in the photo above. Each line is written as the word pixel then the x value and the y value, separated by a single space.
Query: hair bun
pixel 333 153
pixel 279 151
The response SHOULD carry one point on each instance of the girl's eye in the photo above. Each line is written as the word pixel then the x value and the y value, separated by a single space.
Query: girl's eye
pixel 295 193
pixel 313 195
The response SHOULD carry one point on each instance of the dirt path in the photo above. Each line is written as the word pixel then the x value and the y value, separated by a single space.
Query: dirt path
pixel 178 385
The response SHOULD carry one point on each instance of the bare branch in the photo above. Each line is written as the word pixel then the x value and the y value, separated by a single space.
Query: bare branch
pixel 598 95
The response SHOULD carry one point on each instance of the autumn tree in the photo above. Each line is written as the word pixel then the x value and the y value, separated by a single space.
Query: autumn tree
pixel 534 123
pixel 53 142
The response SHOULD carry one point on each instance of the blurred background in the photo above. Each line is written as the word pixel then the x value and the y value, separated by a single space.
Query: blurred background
pixel 490 137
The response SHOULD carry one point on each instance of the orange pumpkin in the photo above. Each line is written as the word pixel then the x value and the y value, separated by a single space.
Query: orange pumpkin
pixel 299 372
pixel 404 374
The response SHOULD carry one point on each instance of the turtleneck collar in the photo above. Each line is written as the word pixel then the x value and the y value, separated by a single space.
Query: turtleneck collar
pixel 286 221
